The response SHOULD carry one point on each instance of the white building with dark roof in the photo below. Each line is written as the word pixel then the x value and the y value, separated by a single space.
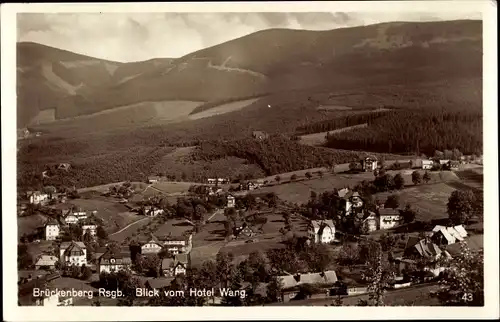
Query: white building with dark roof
pixel 73 253
pixel 321 231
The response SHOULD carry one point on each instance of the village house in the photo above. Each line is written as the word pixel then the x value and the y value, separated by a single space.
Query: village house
pixel 448 235
pixel 243 230
pixel 71 219
pixel 178 244
pixel 151 211
pixel 91 229
pixel 80 214
pixel 370 221
pixel 37 197
pixel 112 261
pixel 427 164
pixel 289 283
pixel 417 248
pixel 251 185
pixel 154 179
pixel 369 164
pixel 351 200
pixel 174 266
pixel 321 231
pixel 260 135
pixel 389 218
pixel 46 262
pixel 153 246
pixel 73 253
pixel 52 230
pixel 231 201
pixel 217 181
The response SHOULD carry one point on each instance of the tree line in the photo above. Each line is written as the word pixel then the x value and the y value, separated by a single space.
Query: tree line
pixel 421 131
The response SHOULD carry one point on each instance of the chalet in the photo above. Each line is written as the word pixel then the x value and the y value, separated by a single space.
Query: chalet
pixel 260 135
pixel 37 197
pixel 351 200
pixel 154 179
pixel 369 164
pixel 151 211
pixel 113 261
pixel 46 262
pixel 231 201
pixel 91 229
pixel 217 181
pixel 389 218
pixel 421 248
pixel 427 164
pixel 153 246
pixel 73 253
pixel 448 235
pixel 174 266
pixel 178 244
pixel 52 230
pixel 289 283
pixel 71 219
pixel 370 221
pixel 321 231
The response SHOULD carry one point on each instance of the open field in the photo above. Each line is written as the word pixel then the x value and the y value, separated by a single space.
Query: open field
pixel 114 215
pixel 130 230
pixel 174 227
pixel 141 114
pixel 320 137
pixel 429 200
pixel 299 191
pixel 222 109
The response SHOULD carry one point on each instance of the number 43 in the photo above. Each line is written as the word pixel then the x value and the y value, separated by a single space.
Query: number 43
pixel 467 297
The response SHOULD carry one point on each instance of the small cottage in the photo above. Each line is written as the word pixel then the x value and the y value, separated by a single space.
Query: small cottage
pixel 46 262
pixel 73 253
pixel 321 231
pixel 231 201
pixel 52 230
pixel 389 218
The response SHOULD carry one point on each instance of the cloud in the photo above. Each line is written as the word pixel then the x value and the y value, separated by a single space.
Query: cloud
pixel 140 36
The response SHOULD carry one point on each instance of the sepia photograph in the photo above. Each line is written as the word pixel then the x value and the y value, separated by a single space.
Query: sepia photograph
pixel 268 155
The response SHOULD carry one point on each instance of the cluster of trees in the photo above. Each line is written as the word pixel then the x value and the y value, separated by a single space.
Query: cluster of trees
pixel 339 122
pixel 79 272
pixel 416 131
pixel 463 205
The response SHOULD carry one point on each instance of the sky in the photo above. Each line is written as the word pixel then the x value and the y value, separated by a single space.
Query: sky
pixel 127 37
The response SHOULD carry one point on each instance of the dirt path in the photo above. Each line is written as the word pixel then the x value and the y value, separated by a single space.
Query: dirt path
pixel 131 224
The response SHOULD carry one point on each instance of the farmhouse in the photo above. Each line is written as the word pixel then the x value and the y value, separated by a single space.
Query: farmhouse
pixel 289 283
pixel 112 261
pixel 51 230
pixel 321 231
pixel 260 135
pixel 448 235
pixel 427 164
pixel 369 164
pixel 153 246
pixel 154 179
pixel 73 253
pixel 91 229
pixel 151 211
pixel 231 201
pixel 217 181
pixel 46 262
pixel 417 248
pixel 37 197
pixel 389 218
pixel 174 266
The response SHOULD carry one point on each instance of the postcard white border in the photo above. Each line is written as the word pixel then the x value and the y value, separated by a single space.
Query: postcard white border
pixel 490 79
